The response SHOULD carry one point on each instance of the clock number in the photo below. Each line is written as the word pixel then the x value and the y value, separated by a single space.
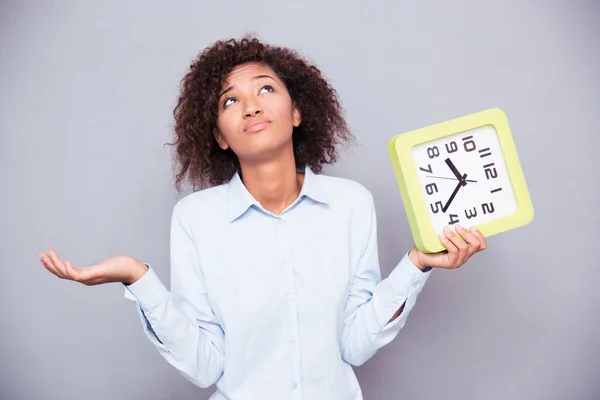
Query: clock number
pixel 427 170
pixel 496 190
pixel 469 143
pixel 452 220
pixel 471 214
pixel 438 206
pixel 485 152
pixel 490 172
pixel 433 152
pixel 431 188
pixel 453 147
pixel 487 208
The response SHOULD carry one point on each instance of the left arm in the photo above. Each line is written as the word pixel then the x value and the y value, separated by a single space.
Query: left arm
pixel 377 309
pixel 458 250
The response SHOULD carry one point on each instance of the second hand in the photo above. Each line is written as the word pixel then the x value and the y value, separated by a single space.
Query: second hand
pixel 452 179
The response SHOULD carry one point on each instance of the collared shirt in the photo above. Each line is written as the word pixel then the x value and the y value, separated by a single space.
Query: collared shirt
pixel 270 306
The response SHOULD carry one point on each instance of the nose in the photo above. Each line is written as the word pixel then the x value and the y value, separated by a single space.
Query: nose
pixel 253 109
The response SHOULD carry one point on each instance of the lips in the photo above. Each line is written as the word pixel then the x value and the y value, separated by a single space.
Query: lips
pixel 256 125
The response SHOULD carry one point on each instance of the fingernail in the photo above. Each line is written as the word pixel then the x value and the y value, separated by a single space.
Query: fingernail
pixel 447 230
pixel 473 229
pixel 442 238
pixel 459 228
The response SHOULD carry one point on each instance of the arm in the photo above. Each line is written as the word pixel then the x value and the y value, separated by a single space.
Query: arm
pixel 415 261
pixel 181 323
pixel 377 309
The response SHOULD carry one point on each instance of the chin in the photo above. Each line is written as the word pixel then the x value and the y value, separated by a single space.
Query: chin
pixel 264 150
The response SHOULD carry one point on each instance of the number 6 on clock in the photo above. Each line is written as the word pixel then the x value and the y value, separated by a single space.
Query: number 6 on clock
pixel 464 171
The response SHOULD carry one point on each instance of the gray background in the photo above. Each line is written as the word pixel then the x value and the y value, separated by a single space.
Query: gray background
pixel 86 95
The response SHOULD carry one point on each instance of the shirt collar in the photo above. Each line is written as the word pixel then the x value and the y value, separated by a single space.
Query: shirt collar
pixel 240 199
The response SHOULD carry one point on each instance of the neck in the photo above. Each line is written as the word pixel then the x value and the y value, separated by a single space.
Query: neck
pixel 274 183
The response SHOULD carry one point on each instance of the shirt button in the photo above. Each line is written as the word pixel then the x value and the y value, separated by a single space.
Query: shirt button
pixel 292 340
pixel 290 297
pixel 295 385
pixel 415 284
pixel 284 259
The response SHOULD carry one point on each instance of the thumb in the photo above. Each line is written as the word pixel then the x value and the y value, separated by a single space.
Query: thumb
pixel 437 260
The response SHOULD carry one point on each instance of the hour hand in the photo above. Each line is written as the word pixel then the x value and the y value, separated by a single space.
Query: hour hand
pixel 454 170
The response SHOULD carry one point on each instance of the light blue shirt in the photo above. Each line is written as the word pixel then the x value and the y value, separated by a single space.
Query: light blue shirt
pixel 272 306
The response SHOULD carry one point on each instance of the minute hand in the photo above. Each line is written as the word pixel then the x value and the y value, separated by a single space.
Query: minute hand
pixel 461 183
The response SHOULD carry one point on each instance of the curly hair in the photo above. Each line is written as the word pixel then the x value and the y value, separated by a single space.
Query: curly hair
pixel 198 157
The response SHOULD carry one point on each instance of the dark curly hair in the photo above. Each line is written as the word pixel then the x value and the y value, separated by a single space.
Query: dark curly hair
pixel 198 157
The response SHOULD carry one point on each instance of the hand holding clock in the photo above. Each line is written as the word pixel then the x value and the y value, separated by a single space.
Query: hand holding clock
pixel 459 248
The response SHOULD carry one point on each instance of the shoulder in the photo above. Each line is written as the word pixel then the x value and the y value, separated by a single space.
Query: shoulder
pixel 346 191
pixel 202 202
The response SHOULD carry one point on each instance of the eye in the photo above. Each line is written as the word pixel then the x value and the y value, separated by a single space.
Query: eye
pixel 226 101
pixel 269 88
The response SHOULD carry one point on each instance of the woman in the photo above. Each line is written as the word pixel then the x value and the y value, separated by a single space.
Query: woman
pixel 275 278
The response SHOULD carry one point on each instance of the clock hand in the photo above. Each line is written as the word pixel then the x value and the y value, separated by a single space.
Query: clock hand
pixel 454 170
pixel 454 179
pixel 461 183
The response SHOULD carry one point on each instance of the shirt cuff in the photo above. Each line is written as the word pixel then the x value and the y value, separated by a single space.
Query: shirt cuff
pixel 406 276
pixel 149 291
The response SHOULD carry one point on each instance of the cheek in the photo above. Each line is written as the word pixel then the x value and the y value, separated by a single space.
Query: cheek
pixel 226 125
pixel 284 111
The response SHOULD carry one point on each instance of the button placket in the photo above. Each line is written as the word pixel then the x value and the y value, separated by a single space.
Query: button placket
pixel 288 272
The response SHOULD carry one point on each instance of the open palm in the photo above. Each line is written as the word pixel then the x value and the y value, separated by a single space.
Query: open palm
pixel 114 269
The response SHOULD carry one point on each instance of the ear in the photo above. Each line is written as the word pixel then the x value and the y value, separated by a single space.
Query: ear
pixel 296 116
pixel 219 138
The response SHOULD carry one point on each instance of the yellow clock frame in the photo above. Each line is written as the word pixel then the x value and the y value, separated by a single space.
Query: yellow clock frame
pixel 400 151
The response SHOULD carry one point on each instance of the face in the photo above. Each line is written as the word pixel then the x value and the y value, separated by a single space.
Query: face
pixel 256 116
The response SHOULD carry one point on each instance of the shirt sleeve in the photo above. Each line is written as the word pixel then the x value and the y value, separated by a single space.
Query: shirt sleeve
pixel 372 302
pixel 181 323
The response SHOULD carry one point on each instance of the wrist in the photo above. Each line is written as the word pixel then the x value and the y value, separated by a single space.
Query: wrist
pixel 137 269
pixel 413 255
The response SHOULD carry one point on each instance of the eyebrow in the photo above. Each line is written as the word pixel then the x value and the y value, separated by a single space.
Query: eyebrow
pixel 233 87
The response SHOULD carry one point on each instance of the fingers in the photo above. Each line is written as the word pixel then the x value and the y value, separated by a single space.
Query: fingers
pixel 482 240
pixel 468 242
pixel 460 246
pixel 52 262
pixel 453 244
pixel 48 263
pixel 472 241
pixel 58 263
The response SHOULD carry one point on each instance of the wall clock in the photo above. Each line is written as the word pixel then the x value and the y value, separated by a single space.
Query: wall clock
pixel 464 171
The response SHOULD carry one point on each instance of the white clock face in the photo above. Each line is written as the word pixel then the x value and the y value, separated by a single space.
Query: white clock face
pixel 464 178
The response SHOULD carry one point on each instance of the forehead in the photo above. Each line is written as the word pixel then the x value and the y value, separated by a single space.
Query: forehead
pixel 246 72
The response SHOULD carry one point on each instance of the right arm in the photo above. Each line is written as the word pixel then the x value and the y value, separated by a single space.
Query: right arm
pixel 181 323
